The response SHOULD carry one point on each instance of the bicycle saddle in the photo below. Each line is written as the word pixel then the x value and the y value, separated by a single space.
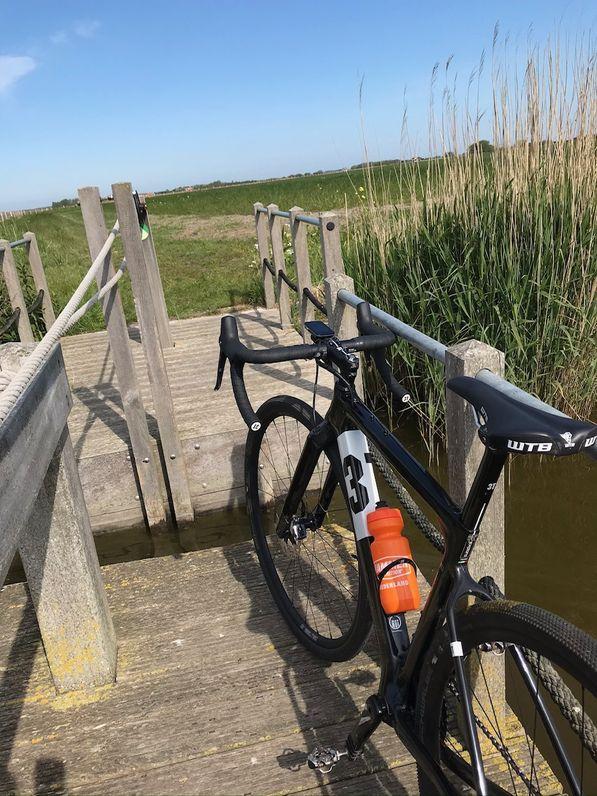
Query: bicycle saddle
pixel 507 425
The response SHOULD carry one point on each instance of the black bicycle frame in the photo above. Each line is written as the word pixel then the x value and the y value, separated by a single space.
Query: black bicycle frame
pixel 402 660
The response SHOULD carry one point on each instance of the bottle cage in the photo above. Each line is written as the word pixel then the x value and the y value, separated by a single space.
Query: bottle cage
pixel 393 564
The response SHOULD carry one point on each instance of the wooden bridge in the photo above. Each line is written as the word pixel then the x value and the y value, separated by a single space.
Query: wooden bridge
pixel 212 433
pixel 174 674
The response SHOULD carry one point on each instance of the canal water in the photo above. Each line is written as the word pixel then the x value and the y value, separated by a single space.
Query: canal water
pixel 551 534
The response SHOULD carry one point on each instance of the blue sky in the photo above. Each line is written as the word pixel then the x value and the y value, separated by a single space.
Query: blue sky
pixel 169 93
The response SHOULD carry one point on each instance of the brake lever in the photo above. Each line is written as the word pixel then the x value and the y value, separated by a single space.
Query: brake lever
pixel 220 373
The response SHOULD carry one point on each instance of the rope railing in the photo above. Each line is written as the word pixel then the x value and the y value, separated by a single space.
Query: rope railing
pixel 36 303
pixel 14 318
pixel 315 301
pixel 97 296
pixel 67 318
pixel 269 266
pixel 307 293
pixel 11 322
pixel 285 278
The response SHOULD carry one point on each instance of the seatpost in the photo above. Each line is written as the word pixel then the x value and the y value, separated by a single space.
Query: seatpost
pixel 482 489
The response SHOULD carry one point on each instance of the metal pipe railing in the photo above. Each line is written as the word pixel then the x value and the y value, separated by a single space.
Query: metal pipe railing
pixel 313 220
pixel 309 220
pixel 423 342
pixel 20 242
pixel 280 213
pixel 437 350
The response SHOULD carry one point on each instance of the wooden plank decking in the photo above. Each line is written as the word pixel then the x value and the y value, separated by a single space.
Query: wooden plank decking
pixel 210 427
pixel 213 695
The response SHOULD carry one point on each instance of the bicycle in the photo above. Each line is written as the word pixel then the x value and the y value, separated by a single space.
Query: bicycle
pixel 310 484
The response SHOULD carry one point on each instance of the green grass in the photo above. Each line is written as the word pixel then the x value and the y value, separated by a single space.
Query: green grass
pixel 203 271
pixel 200 274
pixel 315 192
pixel 501 249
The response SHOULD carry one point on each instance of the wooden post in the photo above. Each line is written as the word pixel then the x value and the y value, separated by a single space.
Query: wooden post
pixel 39 277
pixel 341 317
pixel 157 290
pixel 263 253
pixel 43 511
pixel 145 462
pixel 64 579
pixel 465 451
pixel 15 294
pixel 158 376
pixel 275 230
pixel 298 234
pixel 329 231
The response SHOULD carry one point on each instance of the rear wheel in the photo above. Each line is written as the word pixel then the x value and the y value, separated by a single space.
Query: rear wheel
pixel 518 755
pixel 310 560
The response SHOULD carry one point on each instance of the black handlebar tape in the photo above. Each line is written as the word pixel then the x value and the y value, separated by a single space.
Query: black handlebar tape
pixel 241 397
pixel 369 342
pixel 368 327
pixel 237 352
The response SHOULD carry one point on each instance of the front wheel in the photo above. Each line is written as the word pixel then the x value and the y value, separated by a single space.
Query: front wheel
pixel 309 560
pixel 519 755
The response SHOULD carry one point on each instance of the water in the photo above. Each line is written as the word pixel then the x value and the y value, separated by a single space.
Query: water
pixel 551 506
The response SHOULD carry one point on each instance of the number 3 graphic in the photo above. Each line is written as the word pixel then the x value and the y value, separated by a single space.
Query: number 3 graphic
pixel 359 498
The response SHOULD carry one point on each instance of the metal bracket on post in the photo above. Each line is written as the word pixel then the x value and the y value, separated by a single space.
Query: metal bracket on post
pixel 263 254
pixel 298 234
pixel 465 451
pixel 154 355
pixel 275 230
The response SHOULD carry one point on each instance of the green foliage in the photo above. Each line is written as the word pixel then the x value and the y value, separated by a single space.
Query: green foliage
pixel 481 146
pixel 501 248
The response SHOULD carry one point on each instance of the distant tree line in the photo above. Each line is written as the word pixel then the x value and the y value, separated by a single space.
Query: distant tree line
pixel 65 203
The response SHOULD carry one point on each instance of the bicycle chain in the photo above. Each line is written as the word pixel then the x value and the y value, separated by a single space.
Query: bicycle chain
pixel 499 747
pixel 551 680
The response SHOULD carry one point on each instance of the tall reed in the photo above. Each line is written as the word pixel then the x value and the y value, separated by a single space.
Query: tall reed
pixel 496 242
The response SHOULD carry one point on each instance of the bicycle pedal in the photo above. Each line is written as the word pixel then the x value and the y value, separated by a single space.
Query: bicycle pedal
pixel 324 758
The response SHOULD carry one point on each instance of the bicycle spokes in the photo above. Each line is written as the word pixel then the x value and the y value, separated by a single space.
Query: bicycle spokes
pixel 313 547
pixel 513 729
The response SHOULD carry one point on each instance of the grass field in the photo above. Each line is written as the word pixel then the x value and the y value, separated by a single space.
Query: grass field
pixel 313 192
pixel 204 240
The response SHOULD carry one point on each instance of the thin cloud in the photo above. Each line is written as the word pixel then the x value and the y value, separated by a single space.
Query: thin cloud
pixel 86 28
pixel 60 37
pixel 13 68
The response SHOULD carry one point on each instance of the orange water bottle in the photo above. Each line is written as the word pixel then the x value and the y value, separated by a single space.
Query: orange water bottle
pixel 399 590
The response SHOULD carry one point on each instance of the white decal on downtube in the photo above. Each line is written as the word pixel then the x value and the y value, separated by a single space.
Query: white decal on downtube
pixel 359 477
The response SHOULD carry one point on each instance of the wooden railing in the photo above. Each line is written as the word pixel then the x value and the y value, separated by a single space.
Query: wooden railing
pixel 16 298
pixel 159 478
pixel 43 517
